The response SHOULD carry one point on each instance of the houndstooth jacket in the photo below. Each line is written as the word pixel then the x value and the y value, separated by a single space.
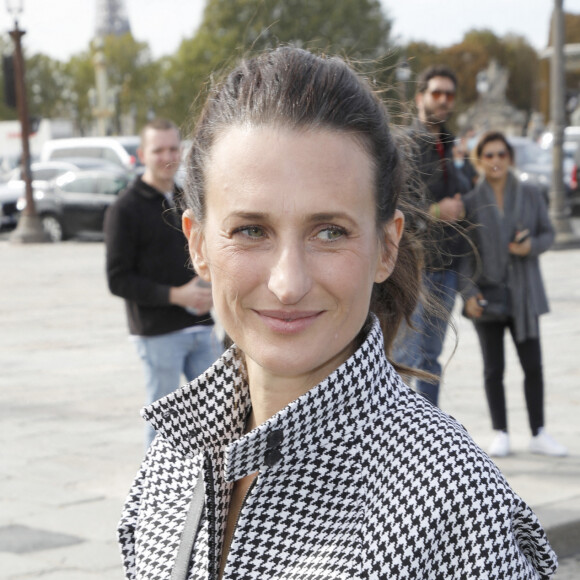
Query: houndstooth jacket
pixel 358 478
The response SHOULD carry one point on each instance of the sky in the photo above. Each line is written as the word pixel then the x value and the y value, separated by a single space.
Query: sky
pixel 60 28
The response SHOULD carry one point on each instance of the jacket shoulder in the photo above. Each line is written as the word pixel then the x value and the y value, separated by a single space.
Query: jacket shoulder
pixel 428 480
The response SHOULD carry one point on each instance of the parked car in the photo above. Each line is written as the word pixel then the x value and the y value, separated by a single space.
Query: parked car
pixel 7 164
pixel 131 143
pixel 76 202
pixel 14 188
pixel 533 163
pixel 571 164
pixel 121 151
pixel 571 135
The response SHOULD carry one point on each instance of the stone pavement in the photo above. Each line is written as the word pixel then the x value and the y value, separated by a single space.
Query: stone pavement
pixel 71 436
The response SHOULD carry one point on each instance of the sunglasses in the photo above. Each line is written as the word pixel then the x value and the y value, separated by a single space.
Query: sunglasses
pixel 437 94
pixel 500 155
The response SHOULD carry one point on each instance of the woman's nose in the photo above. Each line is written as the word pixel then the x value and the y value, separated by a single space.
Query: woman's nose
pixel 290 279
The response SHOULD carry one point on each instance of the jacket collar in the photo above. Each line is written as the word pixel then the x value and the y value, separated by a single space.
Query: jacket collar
pixel 145 190
pixel 209 413
pixel 149 192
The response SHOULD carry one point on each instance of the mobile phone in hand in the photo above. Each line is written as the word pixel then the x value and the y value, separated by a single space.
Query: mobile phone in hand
pixel 522 236
pixel 202 283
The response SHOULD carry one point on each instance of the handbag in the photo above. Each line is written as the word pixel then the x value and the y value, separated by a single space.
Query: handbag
pixel 498 303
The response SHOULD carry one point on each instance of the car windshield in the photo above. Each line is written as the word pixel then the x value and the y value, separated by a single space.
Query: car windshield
pixel 48 173
pixel 531 154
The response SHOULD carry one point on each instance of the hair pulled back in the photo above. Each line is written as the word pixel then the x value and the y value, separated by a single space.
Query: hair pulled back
pixel 295 89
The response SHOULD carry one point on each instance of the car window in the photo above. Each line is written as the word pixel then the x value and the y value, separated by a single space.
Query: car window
pixel 15 174
pixel 65 153
pixel 111 156
pixel 81 185
pixel 132 150
pixel 572 137
pixel 47 173
pixel 112 185
pixel 530 153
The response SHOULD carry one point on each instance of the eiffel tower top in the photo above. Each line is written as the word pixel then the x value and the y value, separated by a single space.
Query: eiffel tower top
pixel 111 18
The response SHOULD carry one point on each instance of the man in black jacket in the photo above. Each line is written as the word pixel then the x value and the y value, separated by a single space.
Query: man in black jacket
pixel 443 186
pixel 168 306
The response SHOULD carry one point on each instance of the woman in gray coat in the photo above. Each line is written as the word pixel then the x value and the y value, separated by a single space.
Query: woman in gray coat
pixel 502 285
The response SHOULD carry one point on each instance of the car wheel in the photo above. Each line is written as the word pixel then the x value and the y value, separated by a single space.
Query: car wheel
pixel 52 226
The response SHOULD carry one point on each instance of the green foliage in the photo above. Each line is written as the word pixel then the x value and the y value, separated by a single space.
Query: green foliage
pixel 133 74
pixel 523 64
pixel 132 77
pixel 45 82
pixel 357 29
pixel 80 75
pixel 175 86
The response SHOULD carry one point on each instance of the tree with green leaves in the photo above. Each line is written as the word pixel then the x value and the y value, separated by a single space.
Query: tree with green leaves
pixel 357 29
pixel 45 82
pixel 132 78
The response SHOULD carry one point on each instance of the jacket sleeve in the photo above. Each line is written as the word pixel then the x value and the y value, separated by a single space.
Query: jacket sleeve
pixel 123 255
pixel 543 231
pixel 128 525
pixel 532 541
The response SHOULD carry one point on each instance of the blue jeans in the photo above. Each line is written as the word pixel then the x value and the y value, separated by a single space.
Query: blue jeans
pixel 420 348
pixel 167 356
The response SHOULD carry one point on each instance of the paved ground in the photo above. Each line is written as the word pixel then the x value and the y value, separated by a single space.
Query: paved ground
pixel 71 435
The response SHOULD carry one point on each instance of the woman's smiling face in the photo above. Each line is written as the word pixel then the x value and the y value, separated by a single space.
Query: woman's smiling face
pixel 290 245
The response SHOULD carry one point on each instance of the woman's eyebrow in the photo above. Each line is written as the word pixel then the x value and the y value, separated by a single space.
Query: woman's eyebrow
pixel 312 218
pixel 248 215
pixel 330 216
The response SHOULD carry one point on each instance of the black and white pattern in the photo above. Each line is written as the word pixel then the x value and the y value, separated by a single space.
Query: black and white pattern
pixel 358 478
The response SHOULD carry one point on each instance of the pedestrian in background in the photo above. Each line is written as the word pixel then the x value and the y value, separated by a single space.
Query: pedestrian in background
pixel 168 306
pixel 462 159
pixel 301 453
pixel 502 285
pixel 420 346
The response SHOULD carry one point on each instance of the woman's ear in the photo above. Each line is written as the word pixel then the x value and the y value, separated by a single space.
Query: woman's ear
pixel 392 234
pixel 195 240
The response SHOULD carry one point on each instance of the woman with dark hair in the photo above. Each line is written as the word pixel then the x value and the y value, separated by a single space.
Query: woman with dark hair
pixel 301 453
pixel 502 285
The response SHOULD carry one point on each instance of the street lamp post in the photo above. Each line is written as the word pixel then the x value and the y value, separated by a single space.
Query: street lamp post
pixel 29 228
pixel 102 95
pixel 559 210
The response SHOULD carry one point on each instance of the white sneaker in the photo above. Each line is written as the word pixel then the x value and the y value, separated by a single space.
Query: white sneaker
pixel 500 446
pixel 544 444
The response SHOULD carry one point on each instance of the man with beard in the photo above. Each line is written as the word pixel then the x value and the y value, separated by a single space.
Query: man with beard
pixel 420 347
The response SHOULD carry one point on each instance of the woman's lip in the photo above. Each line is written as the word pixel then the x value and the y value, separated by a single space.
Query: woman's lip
pixel 288 322
pixel 289 315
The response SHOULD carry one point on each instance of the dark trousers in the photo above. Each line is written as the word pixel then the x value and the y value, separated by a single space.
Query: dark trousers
pixel 491 340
